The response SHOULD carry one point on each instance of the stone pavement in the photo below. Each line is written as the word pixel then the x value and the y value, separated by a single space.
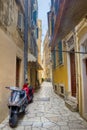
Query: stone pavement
pixel 48 112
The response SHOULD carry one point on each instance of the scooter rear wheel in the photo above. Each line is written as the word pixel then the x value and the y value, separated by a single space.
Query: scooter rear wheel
pixel 13 121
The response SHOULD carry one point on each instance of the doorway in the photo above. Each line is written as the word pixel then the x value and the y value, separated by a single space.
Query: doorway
pixel 73 74
pixel 84 81
pixel 18 67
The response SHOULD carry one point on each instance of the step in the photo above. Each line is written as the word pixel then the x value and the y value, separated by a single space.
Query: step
pixel 71 105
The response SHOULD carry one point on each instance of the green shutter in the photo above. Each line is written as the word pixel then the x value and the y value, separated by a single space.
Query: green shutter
pixel 60 56
pixel 54 59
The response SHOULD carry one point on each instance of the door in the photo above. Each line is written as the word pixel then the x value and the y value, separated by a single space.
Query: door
pixel 73 74
pixel 18 65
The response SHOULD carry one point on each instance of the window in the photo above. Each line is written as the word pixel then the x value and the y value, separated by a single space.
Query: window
pixel 52 26
pixel 54 59
pixel 86 66
pixel 20 21
pixel 60 54
pixel 86 48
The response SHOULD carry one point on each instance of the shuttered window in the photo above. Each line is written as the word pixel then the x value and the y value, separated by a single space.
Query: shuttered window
pixel 86 66
pixel 52 26
pixel 20 21
pixel 54 58
pixel 60 54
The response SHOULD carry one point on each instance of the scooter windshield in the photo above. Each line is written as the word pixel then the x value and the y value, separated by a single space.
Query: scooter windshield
pixel 15 96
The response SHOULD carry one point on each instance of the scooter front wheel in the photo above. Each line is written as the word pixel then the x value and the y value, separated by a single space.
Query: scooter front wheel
pixel 13 120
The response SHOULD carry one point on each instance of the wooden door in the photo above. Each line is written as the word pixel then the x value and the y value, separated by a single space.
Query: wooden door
pixel 18 63
pixel 73 74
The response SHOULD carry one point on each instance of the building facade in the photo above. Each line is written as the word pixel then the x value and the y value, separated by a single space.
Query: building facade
pixel 33 48
pixel 81 65
pixel 68 45
pixel 59 59
pixel 39 42
pixel 47 64
pixel 12 47
pixel 11 51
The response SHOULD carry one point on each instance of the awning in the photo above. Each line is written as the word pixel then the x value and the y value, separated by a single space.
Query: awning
pixel 35 65
pixel 39 67
pixel 31 58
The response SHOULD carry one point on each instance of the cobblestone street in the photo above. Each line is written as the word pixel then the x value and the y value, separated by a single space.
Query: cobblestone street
pixel 48 112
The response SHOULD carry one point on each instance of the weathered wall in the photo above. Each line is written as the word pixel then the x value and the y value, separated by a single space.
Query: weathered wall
pixel 11 46
pixel 8 53
pixel 7 16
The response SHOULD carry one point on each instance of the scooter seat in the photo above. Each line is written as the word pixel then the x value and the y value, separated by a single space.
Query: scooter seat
pixel 22 94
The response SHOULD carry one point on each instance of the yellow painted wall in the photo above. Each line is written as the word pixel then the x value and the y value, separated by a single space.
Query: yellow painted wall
pixel 60 73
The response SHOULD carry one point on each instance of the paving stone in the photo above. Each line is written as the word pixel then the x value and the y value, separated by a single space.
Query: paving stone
pixel 55 128
pixel 65 128
pixel 44 129
pixel 62 123
pixel 25 123
pixel 53 119
pixel 27 128
pixel 37 124
pixel 43 119
pixel 36 129
pixel 5 128
pixel 48 124
pixel 19 128
pixel 48 112
pixel 76 126
pixel 78 129
pixel 40 114
pixel 2 125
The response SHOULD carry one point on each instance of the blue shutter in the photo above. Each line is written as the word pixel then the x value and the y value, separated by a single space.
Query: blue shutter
pixel 52 26
pixel 37 33
pixel 35 17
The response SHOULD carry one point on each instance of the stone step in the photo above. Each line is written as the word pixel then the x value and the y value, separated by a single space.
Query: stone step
pixel 72 99
pixel 71 105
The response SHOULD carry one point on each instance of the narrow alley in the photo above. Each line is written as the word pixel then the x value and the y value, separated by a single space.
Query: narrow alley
pixel 48 112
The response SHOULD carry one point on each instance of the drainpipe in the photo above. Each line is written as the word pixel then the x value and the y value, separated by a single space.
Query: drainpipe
pixel 25 40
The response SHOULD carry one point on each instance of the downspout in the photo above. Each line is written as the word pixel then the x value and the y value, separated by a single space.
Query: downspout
pixel 25 40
